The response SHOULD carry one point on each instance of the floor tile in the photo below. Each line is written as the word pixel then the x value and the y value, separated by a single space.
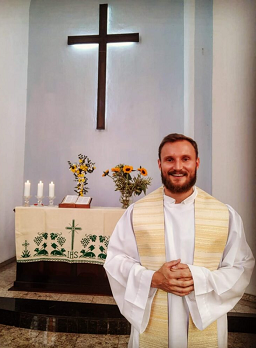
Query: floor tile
pixel 241 340
pixel 40 296
pixel 103 299
pixel 56 340
pixel 242 308
pixel 123 341
pixel 76 298
pixel 12 337
pixel 92 341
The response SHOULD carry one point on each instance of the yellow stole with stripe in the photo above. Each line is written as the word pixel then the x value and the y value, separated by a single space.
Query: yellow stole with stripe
pixel 211 231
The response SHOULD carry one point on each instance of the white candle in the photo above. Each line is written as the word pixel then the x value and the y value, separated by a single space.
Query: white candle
pixel 27 189
pixel 40 189
pixel 51 189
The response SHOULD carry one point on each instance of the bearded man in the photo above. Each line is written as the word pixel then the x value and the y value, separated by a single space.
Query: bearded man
pixel 178 260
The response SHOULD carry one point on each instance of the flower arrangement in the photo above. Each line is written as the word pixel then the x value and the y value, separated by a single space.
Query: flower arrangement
pixel 80 170
pixel 128 184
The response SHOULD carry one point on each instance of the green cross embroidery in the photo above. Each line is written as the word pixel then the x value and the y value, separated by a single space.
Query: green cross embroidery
pixel 25 252
pixel 25 245
pixel 73 228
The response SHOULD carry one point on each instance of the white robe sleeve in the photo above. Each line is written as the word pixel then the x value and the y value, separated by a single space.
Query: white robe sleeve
pixel 217 292
pixel 129 281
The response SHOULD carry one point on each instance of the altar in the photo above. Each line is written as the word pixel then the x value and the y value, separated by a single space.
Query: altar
pixel 63 249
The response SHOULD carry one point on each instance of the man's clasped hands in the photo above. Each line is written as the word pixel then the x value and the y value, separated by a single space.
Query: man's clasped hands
pixel 174 277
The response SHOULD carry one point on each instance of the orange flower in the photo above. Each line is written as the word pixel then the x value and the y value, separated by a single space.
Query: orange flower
pixel 127 169
pixel 143 171
pixel 105 173
pixel 116 169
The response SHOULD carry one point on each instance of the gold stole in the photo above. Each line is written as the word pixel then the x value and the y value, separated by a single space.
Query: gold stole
pixel 211 231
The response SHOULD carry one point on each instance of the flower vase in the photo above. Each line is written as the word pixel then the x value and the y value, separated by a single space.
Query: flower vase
pixel 125 199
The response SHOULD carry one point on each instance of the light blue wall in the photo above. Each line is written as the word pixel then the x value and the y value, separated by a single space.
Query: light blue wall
pixel 203 90
pixel 144 91
pixel 14 25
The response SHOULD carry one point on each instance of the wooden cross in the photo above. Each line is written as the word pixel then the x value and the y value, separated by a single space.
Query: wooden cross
pixel 102 39
pixel 73 228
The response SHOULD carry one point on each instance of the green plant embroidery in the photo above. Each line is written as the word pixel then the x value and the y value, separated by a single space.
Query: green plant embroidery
pixel 103 254
pixel 60 240
pixel 41 251
pixel 85 241
pixel 58 236
pixel 41 236
pixel 87 253
pixel 38 240
pixel 57 251
pixel 104 240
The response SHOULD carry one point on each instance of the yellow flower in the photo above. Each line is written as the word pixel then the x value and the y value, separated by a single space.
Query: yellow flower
pixel 105 173
pixel 127 169
pixel 143 171
pixel 80 161
pixel 77 172
pixel 116 169
pixel 83 167
pixel 73 168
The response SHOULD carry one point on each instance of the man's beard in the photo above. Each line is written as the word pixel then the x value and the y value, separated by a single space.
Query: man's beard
pixel 176 188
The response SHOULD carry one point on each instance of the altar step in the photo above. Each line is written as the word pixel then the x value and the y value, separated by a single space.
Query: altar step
pixel 242 322
pixel 58 316
pixel 86 318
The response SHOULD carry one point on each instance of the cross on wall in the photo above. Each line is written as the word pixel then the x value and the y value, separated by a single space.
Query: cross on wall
pixel 102 39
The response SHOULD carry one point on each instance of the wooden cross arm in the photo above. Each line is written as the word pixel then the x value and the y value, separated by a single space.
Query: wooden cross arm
pixel 87 39
pixel 133 37
pixel 83 39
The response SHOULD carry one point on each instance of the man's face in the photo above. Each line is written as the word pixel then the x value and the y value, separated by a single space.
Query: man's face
pixel 178 166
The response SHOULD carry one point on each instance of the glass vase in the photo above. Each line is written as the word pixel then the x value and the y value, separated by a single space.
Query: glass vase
pixel 125 199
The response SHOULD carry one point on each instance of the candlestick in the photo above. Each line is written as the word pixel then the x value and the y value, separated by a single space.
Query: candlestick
pixel 26 201
pixel 51 189
pixel 39 201
pixel 27 189
pixel 51 200
pixel 40 189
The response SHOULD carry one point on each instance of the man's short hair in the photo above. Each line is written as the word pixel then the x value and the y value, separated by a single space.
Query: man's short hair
pixel 172 138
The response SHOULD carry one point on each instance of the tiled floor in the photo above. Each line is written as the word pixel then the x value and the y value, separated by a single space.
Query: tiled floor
pixel 12 337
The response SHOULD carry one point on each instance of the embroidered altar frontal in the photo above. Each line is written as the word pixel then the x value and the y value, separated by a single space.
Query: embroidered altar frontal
pixel 68 235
